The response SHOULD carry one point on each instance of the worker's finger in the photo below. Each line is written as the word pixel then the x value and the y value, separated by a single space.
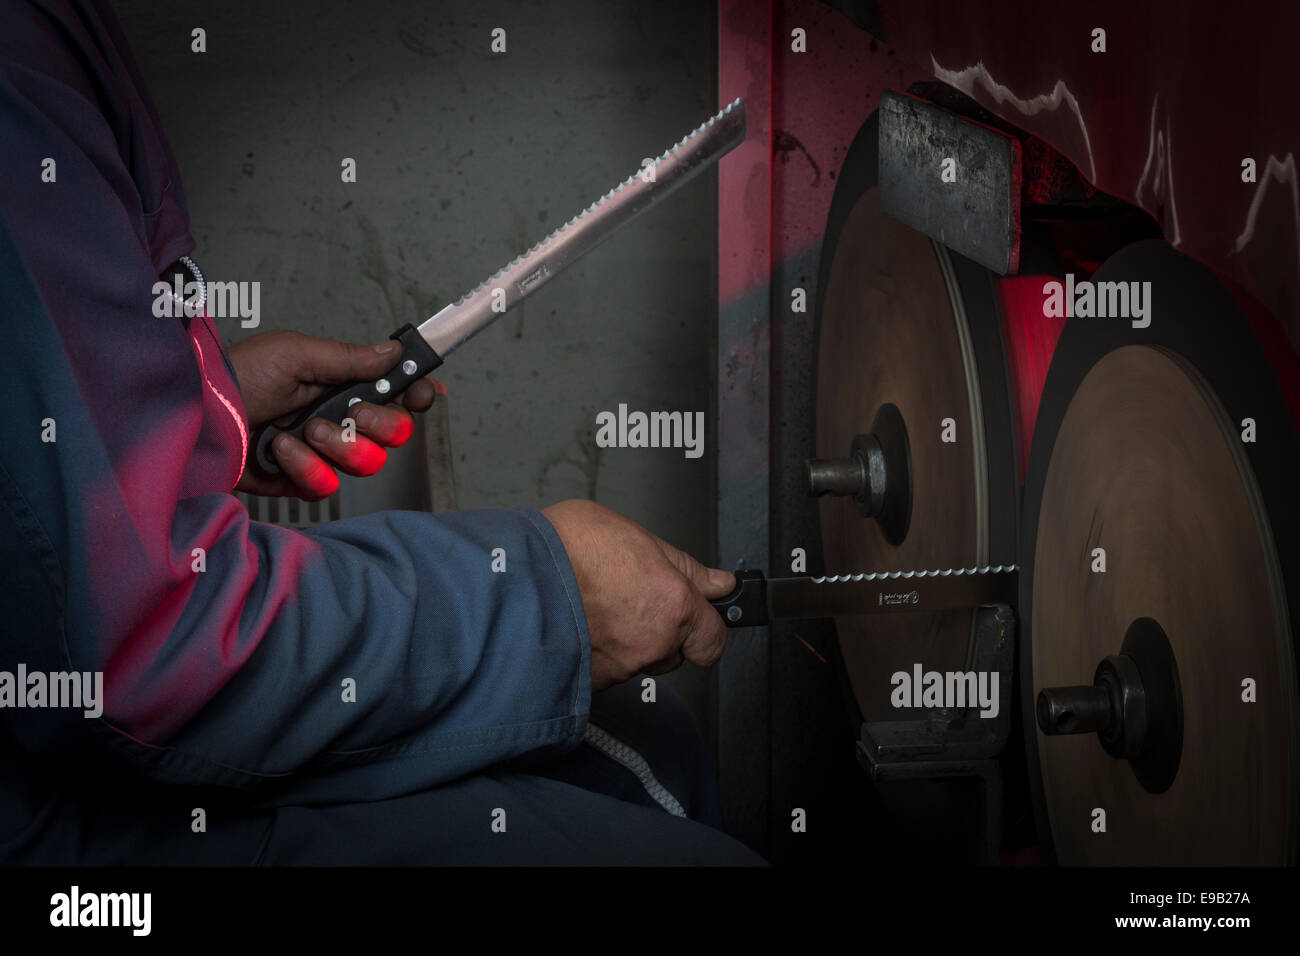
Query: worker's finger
pixel 331 362
pixel 422 393
pixel 712 582
pixel 311 477
pixel 706 635
pixel 354 453
pixel 383 424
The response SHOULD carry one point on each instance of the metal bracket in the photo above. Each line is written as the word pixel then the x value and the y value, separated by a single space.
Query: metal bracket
pixel 948 744
pixel 975 208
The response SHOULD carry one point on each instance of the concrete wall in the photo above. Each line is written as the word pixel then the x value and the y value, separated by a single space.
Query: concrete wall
pixel 464 159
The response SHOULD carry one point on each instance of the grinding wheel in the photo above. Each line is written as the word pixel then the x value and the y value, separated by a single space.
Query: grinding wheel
pixel 904 323
pixel 1138 451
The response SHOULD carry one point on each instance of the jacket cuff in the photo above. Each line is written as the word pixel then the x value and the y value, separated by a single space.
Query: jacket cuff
pixel 573 598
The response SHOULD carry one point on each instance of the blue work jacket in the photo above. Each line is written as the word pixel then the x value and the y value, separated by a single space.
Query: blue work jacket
pixel 360 660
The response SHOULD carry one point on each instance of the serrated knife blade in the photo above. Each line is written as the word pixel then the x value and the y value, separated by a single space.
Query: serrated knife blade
pixel 756 600
pixel 425 347
pixel 679 164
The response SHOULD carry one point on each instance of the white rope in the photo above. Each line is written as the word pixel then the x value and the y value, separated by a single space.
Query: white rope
pixel 621 753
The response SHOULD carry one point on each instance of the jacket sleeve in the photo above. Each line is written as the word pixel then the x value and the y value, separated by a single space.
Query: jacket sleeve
pixel 363 659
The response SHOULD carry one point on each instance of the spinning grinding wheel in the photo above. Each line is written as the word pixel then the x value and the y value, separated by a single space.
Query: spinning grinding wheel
pixel 1135 673
pixel 908 336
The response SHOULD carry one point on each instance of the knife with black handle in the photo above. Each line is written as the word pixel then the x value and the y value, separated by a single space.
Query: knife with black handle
pixel 424 347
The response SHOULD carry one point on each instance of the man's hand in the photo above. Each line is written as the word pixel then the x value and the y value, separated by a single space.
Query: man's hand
pixel 282 372
pixel 646 602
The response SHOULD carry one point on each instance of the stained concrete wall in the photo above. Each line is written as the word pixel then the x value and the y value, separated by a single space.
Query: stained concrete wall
pixel 465 158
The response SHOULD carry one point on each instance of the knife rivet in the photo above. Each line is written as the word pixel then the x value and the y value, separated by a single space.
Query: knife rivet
pixel 409 366
pixel 382 386
pixel 733 614
pixel 354 400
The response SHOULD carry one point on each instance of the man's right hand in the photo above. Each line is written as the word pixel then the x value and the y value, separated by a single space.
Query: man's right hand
pixel 647 604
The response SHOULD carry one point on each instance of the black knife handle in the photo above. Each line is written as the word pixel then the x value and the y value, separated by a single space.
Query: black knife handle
pixel 746 605
pixel 417 361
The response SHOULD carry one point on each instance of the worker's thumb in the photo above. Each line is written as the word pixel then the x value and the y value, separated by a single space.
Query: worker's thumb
pixel 712 582
pixel 332 362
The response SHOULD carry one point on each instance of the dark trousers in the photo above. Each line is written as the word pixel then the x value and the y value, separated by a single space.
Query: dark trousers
pixel 580 807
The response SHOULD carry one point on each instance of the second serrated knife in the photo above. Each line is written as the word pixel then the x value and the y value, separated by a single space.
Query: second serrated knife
pixel 757 600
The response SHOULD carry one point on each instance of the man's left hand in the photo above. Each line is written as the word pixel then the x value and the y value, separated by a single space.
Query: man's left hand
pixel 282 372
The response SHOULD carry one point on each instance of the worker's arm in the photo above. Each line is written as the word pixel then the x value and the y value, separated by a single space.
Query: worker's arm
pixel 372 657
pixel 367 658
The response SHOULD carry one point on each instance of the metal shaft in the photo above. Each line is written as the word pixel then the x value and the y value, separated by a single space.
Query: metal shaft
pixel 835 476
pixel 1115 706
pixel 876 474
pixel 1134 706
pixel 1074 710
